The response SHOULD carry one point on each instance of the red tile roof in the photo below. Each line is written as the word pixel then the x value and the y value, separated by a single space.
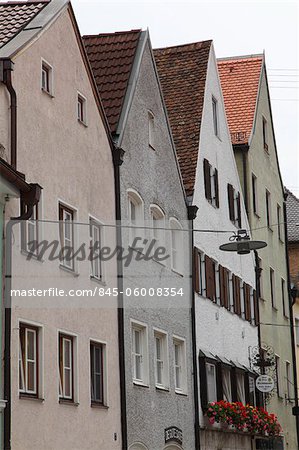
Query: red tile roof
pixel 14 16
pixel 111 57
pixel 182 71
pixel 240 81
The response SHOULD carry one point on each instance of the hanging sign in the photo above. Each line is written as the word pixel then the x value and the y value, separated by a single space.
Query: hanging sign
pixel 264 383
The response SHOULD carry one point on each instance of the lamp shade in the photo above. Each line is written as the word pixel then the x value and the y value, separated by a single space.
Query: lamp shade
pixel 242 247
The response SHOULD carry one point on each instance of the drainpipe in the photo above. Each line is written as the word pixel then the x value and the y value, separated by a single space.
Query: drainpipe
pixel 192 211
pixel 118 155
pixel 6 68
pixel 291 317
pixel 29 199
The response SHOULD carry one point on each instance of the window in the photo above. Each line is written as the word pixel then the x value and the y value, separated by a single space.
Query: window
pixel 254 194
pixel 151 130
pixel 30 231
pixel 66 367
pixel 158 226
pixel 277 373
pixel 297 331
pixel 95 244
pixel 215 116
pixel 66 231
pixel 265 134
pixel 180 369
pixel 284 299
pixel 272 288
pixel 252 391
pixel 139 353
pixel 136 217
pixel 211 183
pixel 161 359
pixel 199 268
pixel 247 301
pixel 47 78
pixel 28 360
pixel 241 388
pixel 234 205
pixel 288 381
pixel 81 109
pixel 224 287
pixel 268 209
pixel 236 282
pixel 211 382
pixel 97 372
pixel 210 269
pixel 177 246
pixel 261 278
pixel 279 223
pixel 226 384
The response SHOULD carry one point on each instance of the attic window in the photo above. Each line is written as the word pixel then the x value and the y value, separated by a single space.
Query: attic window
pixel 47 78
pixel 265 134
pixel 151 130
pixel 215 116
pixel 81 109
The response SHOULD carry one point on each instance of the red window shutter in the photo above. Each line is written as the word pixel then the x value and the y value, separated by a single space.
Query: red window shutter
pixel 207 179
pixel 247 305
pixel 230 194
pixel 196 273
pixel 239 210
pixel 210 279
pixel 216 185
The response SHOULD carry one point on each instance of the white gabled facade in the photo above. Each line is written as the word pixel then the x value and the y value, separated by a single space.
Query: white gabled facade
pixel 220 331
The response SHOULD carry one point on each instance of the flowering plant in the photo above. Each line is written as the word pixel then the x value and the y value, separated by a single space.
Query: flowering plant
pixel 244 418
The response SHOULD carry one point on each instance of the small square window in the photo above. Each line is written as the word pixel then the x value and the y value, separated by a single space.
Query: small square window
pixel 81 109
pixel 47 78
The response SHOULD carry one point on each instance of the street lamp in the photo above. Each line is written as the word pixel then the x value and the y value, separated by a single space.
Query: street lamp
pixel 242 245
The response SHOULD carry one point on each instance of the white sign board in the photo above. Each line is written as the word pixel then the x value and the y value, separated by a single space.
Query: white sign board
pixel 264 383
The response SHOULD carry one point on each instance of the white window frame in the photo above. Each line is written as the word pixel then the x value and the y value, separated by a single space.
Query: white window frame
pixel 151 129
pixel 180 365
pixel 228 372
pixel 215 116
pixel 69 265
pixel 288 381
pixel 278 375
pixel 83 102
pixel 34 224
pixel 176 253
pixel 103 344
pixel 75 368
pixel 280 223
pixel 23 368
pixel 273 289
pixel 97 263
pixel 268 209
pixel 135 199
pixel 209 396
pixel 49 68
pixel 164 359
pixel 144 353
pixel 265 134
pixel 254 185
pixel 158 217
pixel 240 378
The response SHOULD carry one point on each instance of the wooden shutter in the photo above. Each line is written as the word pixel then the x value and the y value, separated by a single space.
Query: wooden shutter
pixel 223 282
pixel 256 308
pixel 219 381
pixel 207 179
pixel 247 304
pixel 239 210
pixel 196 268
pixel 236 295
pixel 210 279
pixel 230 194
pixel 203 383
pixel 216 185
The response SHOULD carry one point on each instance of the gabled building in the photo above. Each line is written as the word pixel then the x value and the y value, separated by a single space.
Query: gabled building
pixel 61 374
pixel 159 408
pixel 226 313
pixel 248 109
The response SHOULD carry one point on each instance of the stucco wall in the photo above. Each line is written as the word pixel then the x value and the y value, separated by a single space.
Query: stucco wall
pixel 153 174
pixel 72 163
pixel 218 330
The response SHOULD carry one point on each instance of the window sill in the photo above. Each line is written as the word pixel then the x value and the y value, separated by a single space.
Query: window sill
pixel 99 406
pixel 48 93
pixel 140 384
pixel 182 393
pixel 31 256
pixel 82 123
pixel 64 401
pixel 162 388
pixel 98 280
pixel 68 270
pixel 23 396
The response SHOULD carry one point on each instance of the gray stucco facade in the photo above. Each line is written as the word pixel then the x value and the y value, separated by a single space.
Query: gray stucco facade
pixel 153 173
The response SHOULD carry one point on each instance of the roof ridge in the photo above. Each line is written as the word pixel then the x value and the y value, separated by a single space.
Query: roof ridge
pixel 23 2
pixel 137 30
pixel 180 46
pixel 236 58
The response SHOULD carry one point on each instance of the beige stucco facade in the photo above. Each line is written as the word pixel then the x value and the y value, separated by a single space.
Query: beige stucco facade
pixel 264 166
pixel 73 164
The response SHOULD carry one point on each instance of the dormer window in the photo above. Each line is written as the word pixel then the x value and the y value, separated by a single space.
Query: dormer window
pixel 47 78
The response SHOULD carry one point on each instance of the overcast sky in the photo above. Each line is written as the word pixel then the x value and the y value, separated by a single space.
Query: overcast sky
pixel 237 28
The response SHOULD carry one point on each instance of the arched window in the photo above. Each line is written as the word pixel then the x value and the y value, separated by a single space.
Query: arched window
pixel 177 246
pixel 138 446
pixel 136 218
pixel 158 226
